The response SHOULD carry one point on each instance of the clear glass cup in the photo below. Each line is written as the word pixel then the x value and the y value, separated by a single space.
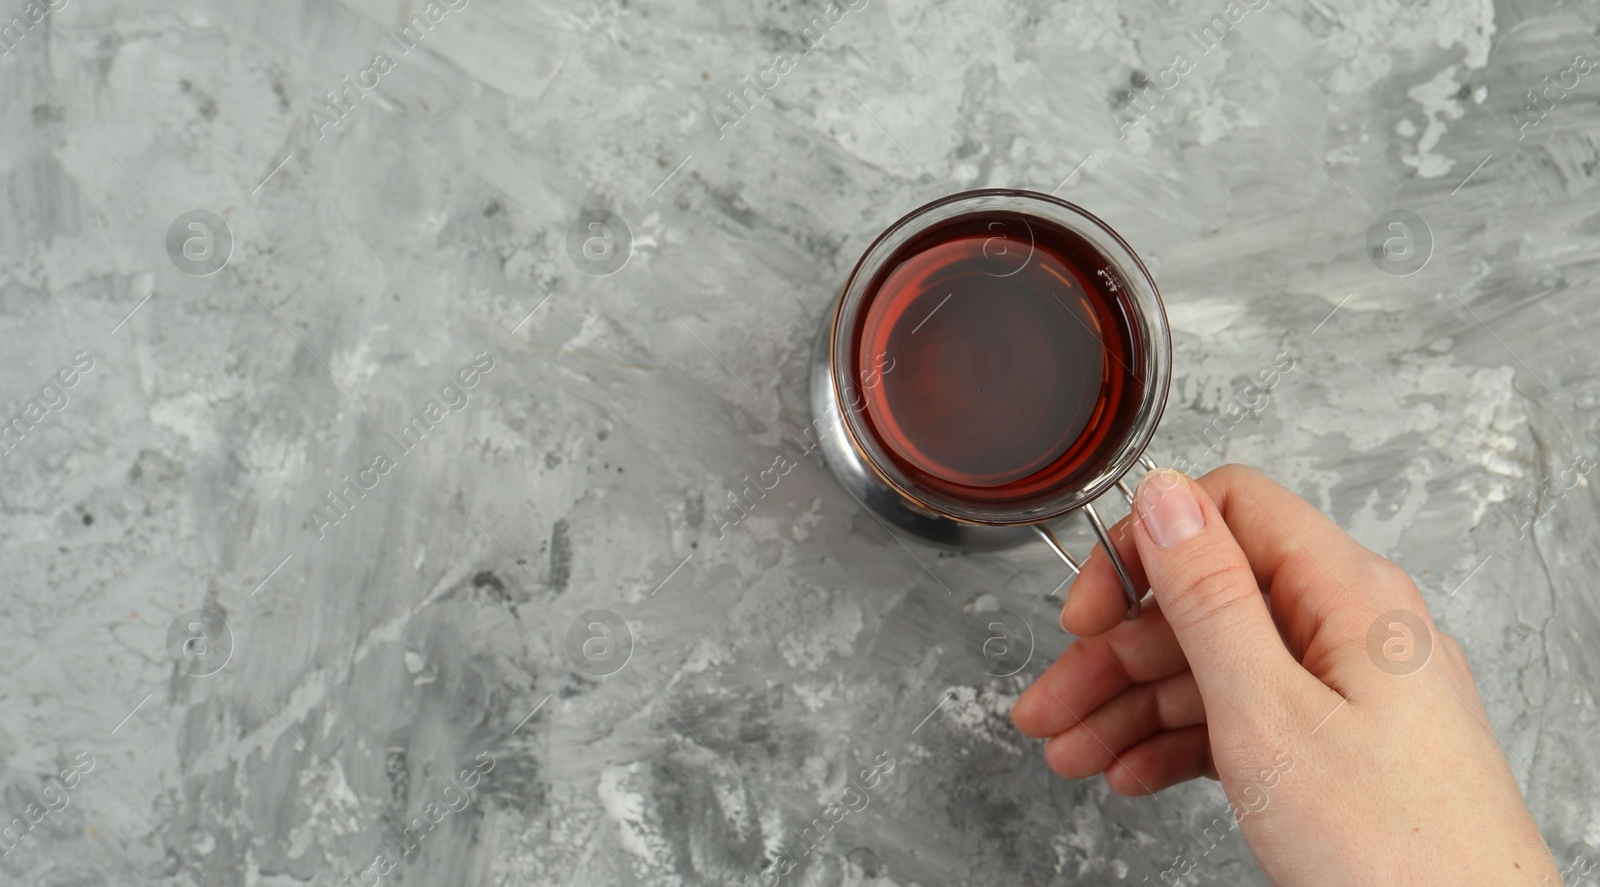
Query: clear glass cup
pixel 859 459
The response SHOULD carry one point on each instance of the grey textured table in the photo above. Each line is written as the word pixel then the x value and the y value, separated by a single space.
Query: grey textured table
pixel 243 647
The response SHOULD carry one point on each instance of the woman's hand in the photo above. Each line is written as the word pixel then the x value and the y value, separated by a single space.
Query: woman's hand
pixel 1301 670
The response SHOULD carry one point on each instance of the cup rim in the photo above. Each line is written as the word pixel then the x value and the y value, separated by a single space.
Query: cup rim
pixel 1144 301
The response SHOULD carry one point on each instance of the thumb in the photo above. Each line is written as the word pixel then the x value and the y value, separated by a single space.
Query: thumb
pixel 1210 597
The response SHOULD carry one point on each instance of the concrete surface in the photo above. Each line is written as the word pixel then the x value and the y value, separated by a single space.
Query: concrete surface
pixel 537 630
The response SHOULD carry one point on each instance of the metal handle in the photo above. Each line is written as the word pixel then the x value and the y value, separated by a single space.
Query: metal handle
pixel 1055 546
pixel 1133 594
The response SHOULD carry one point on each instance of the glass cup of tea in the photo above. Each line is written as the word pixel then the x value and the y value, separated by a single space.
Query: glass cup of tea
pixel 997 360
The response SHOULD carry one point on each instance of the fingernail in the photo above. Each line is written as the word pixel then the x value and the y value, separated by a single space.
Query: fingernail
pixel 1167 507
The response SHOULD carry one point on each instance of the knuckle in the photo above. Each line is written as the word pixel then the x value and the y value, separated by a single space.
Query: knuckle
pixel 1377 579
pixel 1246 748
pixel 1451 648
pixel 1235 473
pixel 1388 575
pixel 1208 589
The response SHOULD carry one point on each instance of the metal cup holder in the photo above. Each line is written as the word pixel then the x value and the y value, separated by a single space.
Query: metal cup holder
pixel 861 468
pixel 1133 593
